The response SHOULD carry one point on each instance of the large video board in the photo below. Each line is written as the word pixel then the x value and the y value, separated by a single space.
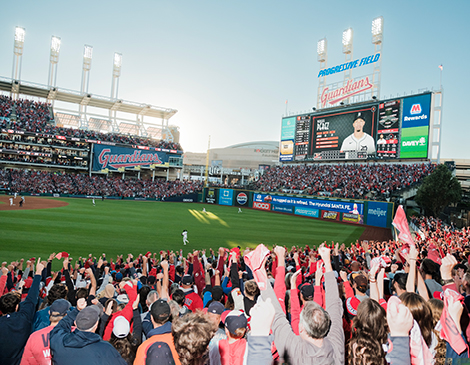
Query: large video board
pixel 386 130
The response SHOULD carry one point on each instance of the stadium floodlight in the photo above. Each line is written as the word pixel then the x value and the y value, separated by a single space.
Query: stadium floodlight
pixel 377 30
pixel 53 60
pixel 117 60
pixel 18 53
pixel 347 40
pixel 88 53
pixel 19 34
pixel 321 49
pixel 55 44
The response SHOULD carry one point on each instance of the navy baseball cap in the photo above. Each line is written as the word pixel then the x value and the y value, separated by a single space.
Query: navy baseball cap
pixel 59 307
pixel 234 320
pixel 216 308
pixel 187 280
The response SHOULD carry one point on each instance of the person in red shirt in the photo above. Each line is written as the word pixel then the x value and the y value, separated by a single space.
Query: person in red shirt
pixel 192 300
pixel 37 349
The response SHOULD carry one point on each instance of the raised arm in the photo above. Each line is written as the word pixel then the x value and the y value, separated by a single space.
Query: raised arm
pixel 333 306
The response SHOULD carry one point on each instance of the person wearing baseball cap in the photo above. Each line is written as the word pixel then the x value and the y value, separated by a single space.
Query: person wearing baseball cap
pixel 69 347
pixel 192 300
pixel 37 351
pixel 232 350
pixel 215 310
pixel 161 333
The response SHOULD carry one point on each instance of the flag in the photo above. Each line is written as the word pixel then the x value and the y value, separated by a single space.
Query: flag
pixel 448 329
pixel 61 255
pixel 401 223
pixel 441 67
pixel 254 261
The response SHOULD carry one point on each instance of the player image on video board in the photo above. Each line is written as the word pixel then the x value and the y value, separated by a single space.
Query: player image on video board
pixel 359 140
pixel 348 134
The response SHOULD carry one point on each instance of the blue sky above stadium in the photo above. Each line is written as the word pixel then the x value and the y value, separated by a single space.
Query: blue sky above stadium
pixel 228 67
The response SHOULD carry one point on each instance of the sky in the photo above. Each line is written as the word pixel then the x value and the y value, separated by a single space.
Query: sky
pixel 228 67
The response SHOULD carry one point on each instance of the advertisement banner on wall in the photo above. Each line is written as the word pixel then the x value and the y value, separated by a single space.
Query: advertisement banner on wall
pixel 333 205
pixel 261 205
pixel 282 209
pixel 242 199
pixel 377 214
pixel 308 212
pixel 353 218
pixel 326 214
pixel 211 196
pixel 414 142
pixel 416 111
pixel 225 196
pixel 115 158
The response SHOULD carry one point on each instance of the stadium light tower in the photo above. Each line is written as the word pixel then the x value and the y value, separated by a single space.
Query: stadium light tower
pixel 348 53
pixel 117 62
pixel 377 40
pixel 87 57
pixel 54 60
pixel 322 45
pixel 18 53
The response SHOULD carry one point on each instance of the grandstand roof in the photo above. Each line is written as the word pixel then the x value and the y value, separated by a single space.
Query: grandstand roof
pixel 76 97
pixel 256 144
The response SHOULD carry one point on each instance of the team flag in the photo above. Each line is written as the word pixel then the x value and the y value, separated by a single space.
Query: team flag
pixel 61 255
pixel 401 223
pixel 441 67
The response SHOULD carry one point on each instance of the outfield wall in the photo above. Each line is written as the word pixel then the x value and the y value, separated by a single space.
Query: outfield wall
pixel 364 212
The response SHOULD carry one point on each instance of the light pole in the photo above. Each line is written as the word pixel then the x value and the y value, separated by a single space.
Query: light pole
pixel 54 60
pixel 348 53
pixel 322 58
pixel 87 57
pixel 377 41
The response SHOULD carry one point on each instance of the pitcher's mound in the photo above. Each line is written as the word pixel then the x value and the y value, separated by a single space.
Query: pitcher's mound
pixel 31 202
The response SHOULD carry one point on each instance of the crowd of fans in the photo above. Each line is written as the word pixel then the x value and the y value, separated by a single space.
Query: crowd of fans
pixel 346 181
pixel 82 184
pixel 368 303
pixel 44 182
pixel 33 116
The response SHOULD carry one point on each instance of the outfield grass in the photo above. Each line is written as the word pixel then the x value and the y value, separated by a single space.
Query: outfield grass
pixel 121 227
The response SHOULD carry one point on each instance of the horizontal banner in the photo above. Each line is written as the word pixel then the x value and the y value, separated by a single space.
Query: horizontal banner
pixel 283 209
pixel 308 212
pixel 120 158
pixel 326 214
pixel 343 207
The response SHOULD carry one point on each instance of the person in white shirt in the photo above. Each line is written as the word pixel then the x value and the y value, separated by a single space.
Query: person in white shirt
pixel 359 141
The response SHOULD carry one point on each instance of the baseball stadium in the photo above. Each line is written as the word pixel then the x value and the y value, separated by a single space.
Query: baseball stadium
pixel 259 250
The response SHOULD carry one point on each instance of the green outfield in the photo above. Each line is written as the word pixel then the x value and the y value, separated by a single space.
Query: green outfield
pixel 137 227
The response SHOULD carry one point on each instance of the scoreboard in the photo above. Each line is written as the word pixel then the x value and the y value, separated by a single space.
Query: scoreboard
pixel 379 130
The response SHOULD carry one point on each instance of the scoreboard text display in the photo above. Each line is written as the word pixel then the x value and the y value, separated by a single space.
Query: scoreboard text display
pixel 386 130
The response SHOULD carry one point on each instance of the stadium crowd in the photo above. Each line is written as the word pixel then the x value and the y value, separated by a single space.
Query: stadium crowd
pixel 44 182
pixel 367 303
pixel 34 116
pixel 346 181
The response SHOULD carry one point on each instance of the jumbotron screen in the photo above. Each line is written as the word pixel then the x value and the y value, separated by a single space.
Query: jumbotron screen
pixel 391 129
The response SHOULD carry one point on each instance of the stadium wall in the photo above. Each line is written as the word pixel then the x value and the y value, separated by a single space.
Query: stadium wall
pixel 364 212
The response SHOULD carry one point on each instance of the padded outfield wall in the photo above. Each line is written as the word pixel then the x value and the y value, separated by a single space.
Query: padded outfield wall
pixel 364 212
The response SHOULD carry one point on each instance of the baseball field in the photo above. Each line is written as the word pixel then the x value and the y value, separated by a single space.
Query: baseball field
pixel 121 227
